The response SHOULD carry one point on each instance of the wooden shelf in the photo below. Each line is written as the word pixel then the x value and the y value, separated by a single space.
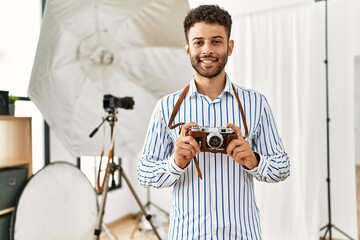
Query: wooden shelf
pixel 15 164
pixel 15 145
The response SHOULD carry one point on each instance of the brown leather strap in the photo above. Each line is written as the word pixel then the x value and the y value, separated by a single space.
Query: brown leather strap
pixel 181 99
pixel 241 111
pixel 176 108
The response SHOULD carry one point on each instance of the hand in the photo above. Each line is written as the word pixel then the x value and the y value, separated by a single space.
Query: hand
pixel 186 147
pixel 240 150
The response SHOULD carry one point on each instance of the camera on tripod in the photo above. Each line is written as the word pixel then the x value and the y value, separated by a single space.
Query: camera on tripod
pixel 111 102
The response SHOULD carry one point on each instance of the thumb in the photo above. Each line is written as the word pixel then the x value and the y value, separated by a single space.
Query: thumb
pixel 236 129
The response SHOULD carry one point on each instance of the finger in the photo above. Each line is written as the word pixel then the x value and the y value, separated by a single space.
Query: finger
pixel 191 141
pixel 188 142
pixel 187 154
pixel 238 146
pixel 236 129
pixel 232 145
pixel 187 147
pixel 185 128
pixel 235 143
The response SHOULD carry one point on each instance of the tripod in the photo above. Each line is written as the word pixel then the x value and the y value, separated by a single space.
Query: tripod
pixel 110 169
pixel 330 225
pixel 148 205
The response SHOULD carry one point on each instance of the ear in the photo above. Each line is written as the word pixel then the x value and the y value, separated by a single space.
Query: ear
pixel 187 49
pixel 230 47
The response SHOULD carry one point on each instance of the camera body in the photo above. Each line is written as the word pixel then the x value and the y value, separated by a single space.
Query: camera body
pixel 111 102
pixel 212 139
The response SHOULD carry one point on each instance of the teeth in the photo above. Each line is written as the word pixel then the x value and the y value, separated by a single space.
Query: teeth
pixel 208 60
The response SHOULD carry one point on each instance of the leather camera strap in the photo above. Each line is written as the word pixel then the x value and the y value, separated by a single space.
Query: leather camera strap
pixel 241 111
pixel 177 107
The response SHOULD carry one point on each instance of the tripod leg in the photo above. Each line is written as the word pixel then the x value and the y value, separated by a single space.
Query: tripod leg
pixel 158 208
pixel 138 219
pixel 108 233
pixel 343 233
pixel 143 210
pixel 323 238
pixel 149 203
pixel 99 224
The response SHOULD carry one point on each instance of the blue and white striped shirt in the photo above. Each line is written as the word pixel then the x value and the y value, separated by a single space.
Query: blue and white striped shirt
pixel 222 205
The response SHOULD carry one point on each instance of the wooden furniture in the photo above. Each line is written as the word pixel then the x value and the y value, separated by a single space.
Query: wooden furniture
pixel 15 145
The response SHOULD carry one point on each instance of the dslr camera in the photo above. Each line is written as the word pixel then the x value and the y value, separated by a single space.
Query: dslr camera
pixel 212 139
pixel 111 102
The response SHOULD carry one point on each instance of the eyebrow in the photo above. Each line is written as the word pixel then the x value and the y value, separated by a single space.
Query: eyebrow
pixel 201 38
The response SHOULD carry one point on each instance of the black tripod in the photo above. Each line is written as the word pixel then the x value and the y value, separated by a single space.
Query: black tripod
pixel 330 225
pixel 110 169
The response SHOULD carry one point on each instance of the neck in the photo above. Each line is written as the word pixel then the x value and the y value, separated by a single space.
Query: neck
pixel 211 87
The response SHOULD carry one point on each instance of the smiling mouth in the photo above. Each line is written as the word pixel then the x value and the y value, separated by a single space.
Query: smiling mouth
pixel 208 61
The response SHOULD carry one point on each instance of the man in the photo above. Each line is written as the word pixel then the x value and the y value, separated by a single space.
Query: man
pixel 213 193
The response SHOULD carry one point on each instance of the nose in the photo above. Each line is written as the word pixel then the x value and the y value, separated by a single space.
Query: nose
pixel 207 49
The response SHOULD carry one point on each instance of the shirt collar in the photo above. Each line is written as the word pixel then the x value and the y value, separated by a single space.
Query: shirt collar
pixel 228 88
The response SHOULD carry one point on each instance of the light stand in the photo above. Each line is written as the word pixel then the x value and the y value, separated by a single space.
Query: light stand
pixel 149 203
pixel 112 167
pixel 147 206
pixel 329 225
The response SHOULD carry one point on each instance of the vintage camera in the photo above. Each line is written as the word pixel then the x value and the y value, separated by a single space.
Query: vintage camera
pixel 110 102
pixel 212 139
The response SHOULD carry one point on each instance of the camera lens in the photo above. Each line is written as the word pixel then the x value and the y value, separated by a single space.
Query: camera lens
pixel 214 140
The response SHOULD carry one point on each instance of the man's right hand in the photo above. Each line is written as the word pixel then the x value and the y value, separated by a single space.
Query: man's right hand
pixel 186 146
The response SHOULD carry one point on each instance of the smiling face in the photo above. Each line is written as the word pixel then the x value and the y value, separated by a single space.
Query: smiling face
pixel 208 49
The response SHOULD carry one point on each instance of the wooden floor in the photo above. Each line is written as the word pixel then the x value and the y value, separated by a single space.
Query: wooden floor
pixel 131 228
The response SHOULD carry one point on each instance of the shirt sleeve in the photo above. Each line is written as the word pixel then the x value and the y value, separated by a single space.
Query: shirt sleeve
pixel 274 164
pixel 156 166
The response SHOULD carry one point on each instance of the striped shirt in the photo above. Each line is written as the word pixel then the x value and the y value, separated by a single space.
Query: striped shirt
pixel 222 205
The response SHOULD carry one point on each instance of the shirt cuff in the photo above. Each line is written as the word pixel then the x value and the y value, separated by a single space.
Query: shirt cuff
pixel 255 170
pixel 175 169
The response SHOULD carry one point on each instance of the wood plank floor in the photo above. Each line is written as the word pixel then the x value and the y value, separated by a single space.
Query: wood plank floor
pixel 137 228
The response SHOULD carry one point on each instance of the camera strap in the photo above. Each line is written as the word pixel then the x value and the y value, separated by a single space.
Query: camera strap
pixel 177 107
pixel 181 99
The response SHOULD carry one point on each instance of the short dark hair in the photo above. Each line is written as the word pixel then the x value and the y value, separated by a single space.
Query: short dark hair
pixel 209 14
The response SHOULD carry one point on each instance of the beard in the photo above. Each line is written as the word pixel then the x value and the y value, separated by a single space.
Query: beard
pixel 209 72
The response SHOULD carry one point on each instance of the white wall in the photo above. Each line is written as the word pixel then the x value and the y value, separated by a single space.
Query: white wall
pixel 238 7
pixel 357 110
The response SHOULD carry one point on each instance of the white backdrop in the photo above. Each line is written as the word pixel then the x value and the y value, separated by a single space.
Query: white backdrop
pixel 280 53
pixel 274 55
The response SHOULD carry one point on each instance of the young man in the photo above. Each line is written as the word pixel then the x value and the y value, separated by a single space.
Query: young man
pixel 213 194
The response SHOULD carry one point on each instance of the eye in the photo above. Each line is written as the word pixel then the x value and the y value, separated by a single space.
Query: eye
pixel 217 42
pixel 198 42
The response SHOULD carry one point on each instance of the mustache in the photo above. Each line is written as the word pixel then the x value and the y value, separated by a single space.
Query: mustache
pixel 208 56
